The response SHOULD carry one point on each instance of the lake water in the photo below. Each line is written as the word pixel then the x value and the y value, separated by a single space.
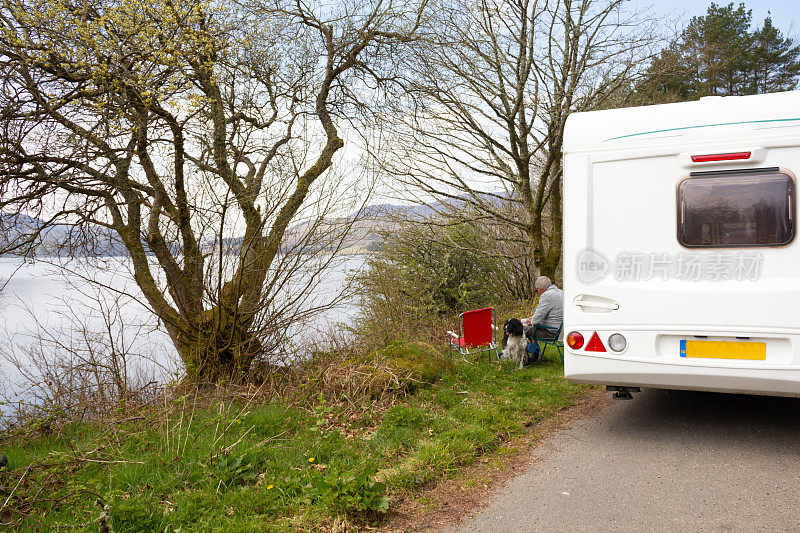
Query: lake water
pixel 57 302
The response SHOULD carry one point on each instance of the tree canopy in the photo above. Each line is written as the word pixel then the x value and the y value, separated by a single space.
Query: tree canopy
pixel 177 124
pixel 490 93
pixel 721 54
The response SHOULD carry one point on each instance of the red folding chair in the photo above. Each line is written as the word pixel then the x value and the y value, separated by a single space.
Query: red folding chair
pixel 475 332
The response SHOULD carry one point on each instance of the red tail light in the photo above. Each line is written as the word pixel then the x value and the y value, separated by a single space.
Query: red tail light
pixel 575 340
pixel 595 344
pixel 733 156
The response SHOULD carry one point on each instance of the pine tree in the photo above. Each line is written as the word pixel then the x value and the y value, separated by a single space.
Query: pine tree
pixel 668 78
pixel 716 48
pixel 776 60
pixel 718 54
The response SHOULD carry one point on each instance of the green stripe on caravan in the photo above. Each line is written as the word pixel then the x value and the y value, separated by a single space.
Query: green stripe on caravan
pixel 702 126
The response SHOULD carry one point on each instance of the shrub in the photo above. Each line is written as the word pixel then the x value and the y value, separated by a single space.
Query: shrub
pixel 446 267
pixel 424 274
pixel 415 361
pixel 397 369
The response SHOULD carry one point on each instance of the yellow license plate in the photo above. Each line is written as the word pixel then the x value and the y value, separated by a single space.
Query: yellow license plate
pixel 756 351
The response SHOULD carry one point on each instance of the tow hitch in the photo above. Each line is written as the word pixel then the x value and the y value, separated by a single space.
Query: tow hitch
pixel 622 393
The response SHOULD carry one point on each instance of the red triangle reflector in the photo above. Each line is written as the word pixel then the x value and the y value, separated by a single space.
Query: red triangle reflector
pixel 595 344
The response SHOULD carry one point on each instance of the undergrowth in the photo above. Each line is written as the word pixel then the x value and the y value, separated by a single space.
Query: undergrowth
pixel 350 440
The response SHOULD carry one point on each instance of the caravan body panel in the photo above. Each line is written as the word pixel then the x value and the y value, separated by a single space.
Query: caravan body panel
pixel 680 227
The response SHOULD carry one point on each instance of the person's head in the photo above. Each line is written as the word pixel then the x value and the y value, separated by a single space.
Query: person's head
pixel 542 283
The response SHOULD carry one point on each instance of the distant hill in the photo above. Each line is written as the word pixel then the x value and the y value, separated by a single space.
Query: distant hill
pixel 66 240
pixel 55 239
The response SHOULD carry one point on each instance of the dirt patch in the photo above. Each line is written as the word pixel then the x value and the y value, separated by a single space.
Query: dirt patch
pixel 447 501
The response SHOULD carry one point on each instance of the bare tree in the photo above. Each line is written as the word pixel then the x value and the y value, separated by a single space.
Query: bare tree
pixel 192 132
pixel 98 364
pixel 489 95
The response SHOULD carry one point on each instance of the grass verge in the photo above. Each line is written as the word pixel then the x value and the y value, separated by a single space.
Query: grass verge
pixel 247 462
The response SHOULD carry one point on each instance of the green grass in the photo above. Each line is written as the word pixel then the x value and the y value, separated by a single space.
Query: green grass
pixel 276 467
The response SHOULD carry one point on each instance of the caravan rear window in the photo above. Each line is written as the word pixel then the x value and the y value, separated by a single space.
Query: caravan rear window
pixel 736 208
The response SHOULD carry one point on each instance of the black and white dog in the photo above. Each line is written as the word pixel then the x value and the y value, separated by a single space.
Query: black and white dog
pixel 515 344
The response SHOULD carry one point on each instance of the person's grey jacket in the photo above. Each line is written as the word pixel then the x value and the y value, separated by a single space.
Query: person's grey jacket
pixel 550 311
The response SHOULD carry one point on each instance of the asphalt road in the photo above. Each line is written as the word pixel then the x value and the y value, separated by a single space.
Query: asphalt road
pixel 664 461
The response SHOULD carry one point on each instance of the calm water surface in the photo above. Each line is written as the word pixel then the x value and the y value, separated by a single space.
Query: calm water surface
pixel 57 301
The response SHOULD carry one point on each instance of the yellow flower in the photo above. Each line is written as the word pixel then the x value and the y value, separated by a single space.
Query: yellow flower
pixel 310 459
pixel 270 487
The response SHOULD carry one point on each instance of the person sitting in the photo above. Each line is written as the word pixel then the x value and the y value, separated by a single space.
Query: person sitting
pixel 548 313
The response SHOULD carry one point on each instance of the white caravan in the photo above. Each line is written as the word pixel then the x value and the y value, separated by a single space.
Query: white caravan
pixel 681 254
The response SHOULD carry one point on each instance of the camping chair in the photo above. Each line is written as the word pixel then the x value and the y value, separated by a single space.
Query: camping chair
pixel 554 340
pixel 475 331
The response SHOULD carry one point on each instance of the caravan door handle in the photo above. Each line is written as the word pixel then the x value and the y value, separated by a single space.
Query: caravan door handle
pixel 595 303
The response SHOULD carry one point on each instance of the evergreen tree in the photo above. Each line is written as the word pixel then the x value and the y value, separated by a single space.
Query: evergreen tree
pixel 718 54
pixel 668 79
pixel 776 60
pixel 717 50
